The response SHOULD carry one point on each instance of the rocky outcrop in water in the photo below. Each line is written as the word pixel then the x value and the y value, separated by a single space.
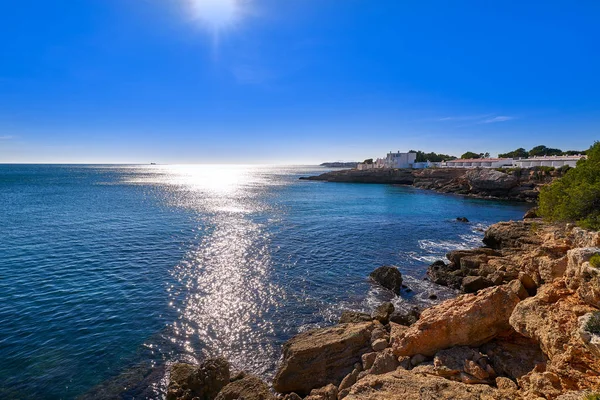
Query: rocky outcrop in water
pixel 388 277
pixel 202 382
pixel 517 184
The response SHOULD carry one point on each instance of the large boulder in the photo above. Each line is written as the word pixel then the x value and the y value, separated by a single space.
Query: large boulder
pixel 248 388
pixel 388 277
pixel 402 384
pixel 551 318
pixel 320 357
pixel 467 320
pixel 490 180
pixel 511 235
pixel 202 382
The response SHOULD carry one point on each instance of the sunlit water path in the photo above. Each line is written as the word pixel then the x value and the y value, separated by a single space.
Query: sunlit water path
pixel 107 273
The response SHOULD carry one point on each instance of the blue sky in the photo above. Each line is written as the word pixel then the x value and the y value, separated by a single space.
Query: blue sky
pixel 293 81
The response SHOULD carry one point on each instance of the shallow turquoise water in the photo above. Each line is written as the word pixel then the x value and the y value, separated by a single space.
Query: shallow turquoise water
pixel 104 269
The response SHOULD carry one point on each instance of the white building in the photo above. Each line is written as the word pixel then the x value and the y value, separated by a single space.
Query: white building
pixel 400 160
pixel 479 163
pixel 427 164
pixel 392 160
pixel 547 161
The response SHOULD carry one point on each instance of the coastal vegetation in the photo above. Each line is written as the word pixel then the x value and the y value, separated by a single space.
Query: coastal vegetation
pixel 576 196
pixel 593 324
pixel 595 261
pixel 433 157
pixel 539 151
pixel 472 155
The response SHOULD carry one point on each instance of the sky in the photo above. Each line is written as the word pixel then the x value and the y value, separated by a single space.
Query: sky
pixel 293 81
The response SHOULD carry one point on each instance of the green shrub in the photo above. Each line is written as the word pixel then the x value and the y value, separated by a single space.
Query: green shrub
pixel 595 261
pixel 592 396
pixel 593 324
pixel 575 196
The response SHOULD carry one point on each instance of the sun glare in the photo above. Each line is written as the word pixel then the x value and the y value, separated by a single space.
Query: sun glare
pixel 216 14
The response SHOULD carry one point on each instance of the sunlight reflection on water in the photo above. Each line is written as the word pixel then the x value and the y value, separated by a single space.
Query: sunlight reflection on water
pixel 224 283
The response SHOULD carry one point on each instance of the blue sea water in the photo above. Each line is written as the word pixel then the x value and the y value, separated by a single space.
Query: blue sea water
pixel 109 273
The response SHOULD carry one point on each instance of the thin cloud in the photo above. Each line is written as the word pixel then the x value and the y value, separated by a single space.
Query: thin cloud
pixel 500 118
pixel 6 137
pixel 477 119
pixel 465 117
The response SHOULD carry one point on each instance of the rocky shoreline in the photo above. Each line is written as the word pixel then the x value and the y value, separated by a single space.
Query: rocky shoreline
pixel 511 184
pixel 528 328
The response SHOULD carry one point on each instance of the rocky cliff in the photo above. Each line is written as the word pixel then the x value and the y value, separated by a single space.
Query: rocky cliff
pixel 517 184
pixel 532 331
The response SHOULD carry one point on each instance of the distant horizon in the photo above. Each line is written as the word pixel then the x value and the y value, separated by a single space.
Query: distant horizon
pixel 265 81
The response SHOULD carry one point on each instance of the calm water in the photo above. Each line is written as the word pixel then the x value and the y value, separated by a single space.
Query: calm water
pixel 109 272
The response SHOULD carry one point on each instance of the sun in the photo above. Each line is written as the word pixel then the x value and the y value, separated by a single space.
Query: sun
pixel 216 14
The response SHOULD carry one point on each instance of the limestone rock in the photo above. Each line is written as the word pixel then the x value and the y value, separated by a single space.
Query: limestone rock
pixel 349 380
pixel 202 382
pixel 379 344
pixel 329 392
pixel 396 330
pixel 368 359
pixel 581 276
pixel 319 357
pixel 490 180
pixel 472 284
pixel 514 356
pixel 517 287
pixel 406 318
pixel 292 396
pixel 551 319
pixel 388 277
pixel 402 384
pixel 248 388
pixel 354 317
pixel 467 320
pixel 506 384
pixel 510 235
pixel 444 274
pixel 385 362
pixel 383 312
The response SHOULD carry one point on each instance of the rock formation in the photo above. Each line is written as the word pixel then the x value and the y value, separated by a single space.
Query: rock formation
pixel 521 185
pixel 534 333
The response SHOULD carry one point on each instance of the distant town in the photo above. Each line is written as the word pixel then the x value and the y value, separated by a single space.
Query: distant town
pixel 539 156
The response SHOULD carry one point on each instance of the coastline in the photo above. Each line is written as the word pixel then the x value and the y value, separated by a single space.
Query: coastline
pixel 514 184
pixel 522 335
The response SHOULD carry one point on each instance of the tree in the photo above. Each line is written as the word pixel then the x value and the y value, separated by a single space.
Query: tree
pixel 470 154
pixel 433 157
pixel 575 196
pixel 573 152
pixel 540 151
pixel 368 161
pixel 518 153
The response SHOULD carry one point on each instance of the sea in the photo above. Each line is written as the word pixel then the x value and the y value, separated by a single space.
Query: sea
pixel 110 273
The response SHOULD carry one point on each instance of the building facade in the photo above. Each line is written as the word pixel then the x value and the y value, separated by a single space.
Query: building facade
pixel 479 163
pixel 400 160
pixel 547 161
